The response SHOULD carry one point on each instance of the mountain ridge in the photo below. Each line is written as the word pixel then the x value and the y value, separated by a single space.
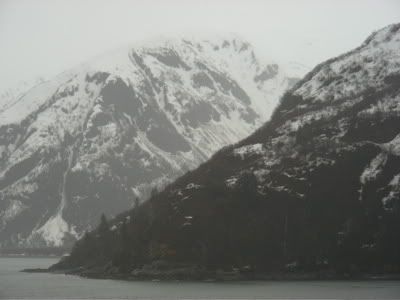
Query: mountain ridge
pixel 94 138
pixel 315 189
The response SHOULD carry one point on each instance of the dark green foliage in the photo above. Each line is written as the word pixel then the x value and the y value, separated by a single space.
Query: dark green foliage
pixel 220 227
pixel 287 103
pixel 103 228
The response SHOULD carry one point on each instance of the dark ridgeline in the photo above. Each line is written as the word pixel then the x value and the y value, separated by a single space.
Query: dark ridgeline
pixel 315 190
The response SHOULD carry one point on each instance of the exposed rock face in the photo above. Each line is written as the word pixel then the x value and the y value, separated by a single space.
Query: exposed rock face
pixel 94 138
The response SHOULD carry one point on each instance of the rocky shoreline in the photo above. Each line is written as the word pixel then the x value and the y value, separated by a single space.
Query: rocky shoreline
pixel 200 274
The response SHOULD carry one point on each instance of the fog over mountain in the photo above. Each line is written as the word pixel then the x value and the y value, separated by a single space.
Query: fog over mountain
pixel 45 37
pixel 99 137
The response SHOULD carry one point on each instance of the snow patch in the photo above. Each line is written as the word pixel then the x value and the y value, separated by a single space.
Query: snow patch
pixel 194 186
pixel 14 209
pixel 393 146
pixel 55 230
pixel 245 151
pixel 230 182
pixel 374 168
pixel 394 186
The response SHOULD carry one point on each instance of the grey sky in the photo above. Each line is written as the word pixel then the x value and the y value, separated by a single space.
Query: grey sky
pixel 45 37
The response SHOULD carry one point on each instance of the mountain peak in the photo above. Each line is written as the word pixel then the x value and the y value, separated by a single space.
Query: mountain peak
pixel 98 136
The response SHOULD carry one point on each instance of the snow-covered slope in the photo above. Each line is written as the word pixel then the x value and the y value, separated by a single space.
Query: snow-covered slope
pixel 96 137
pixel 319 181
pixel 10 96
pixel 316 188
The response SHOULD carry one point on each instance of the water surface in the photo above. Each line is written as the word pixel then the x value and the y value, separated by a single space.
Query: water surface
pixel 15 284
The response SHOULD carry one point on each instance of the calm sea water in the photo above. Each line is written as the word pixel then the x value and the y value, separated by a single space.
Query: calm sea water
pixel 15 284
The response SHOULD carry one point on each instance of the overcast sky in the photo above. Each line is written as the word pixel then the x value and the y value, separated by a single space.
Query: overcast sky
pixel 45 37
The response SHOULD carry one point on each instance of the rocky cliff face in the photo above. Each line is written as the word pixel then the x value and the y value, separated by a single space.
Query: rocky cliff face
pixel 97 137
pixel 316 187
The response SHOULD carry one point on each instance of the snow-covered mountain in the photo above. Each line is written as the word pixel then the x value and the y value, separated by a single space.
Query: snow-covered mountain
pixel 316 188
pixel 12 94
pixel 95 138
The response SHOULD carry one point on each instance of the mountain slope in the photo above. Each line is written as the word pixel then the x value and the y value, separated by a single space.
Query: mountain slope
pixel 94 138
pixel 315 188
